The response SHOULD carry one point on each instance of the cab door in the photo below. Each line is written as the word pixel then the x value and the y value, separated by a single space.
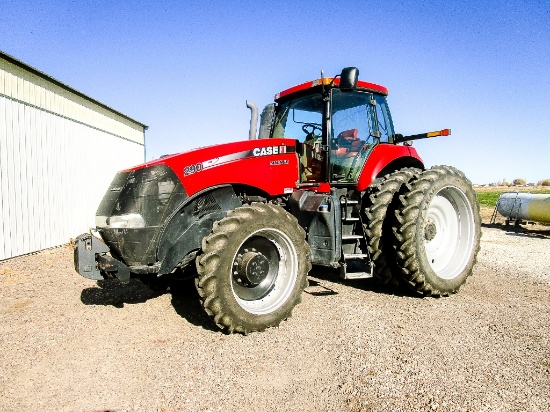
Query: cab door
pixel 359 122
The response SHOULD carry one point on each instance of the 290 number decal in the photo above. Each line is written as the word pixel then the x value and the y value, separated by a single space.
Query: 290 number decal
pixel 189 170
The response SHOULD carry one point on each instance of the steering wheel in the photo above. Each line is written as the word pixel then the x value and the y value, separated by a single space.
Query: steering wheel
pixel 313 127
pixel 309 129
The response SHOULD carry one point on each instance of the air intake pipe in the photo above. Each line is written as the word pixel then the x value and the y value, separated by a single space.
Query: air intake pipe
pixel 253 119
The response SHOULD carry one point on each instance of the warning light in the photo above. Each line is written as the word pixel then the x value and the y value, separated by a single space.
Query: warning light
pixel 444 132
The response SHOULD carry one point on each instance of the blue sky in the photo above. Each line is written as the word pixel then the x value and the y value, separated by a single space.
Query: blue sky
pixel 185 68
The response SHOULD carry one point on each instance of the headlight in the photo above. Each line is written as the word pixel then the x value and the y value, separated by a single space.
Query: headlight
pixel 129 221
pixel 101 221
pixel 140 198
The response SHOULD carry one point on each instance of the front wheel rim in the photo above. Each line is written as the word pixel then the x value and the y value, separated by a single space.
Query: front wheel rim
pixel 264 271
pixel 448 231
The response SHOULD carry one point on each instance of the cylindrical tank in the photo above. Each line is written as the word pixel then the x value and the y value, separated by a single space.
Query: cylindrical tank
pixel 525 206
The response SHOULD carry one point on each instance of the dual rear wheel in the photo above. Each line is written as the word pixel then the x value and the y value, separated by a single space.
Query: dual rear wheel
pixel 423 229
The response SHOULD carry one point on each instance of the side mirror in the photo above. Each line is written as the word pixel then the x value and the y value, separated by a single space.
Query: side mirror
pixel 348 79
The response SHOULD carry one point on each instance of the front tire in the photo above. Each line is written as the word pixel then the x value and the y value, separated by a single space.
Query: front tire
pixel 437 232
pixel 253 268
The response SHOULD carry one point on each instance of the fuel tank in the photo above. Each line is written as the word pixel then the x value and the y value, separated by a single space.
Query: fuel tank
pixel 525 206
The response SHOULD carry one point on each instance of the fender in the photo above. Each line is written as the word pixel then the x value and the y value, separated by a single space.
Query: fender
pixel 191 222
pixel 382 156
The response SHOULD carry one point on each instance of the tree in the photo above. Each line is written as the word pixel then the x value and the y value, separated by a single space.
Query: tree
pixel 544 182
pixel 519 182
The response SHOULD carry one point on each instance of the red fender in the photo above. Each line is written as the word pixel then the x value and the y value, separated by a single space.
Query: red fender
pixel 381 156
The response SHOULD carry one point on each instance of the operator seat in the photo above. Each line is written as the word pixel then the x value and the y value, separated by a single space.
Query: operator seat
pixel 348 144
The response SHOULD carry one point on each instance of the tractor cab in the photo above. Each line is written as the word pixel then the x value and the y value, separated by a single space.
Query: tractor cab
pixel 337 123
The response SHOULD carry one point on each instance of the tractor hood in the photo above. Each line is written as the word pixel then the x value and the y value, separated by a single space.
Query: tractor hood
pixel 270 165
pixel 141 200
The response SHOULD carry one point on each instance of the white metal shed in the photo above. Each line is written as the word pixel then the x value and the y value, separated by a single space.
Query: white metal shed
pixel 59 150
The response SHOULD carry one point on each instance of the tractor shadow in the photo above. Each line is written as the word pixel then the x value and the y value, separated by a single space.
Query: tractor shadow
pixel 114 293
pixel 184 298
pixel 186 302
pixel 535 231
pixel 321 277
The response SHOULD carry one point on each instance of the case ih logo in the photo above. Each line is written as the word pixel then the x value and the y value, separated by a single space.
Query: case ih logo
pixel 270 150
pixel 256 152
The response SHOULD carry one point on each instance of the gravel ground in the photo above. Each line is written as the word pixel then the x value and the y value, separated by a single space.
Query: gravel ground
pixel 71 344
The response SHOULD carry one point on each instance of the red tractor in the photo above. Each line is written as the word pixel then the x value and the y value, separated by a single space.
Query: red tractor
pixel 328 182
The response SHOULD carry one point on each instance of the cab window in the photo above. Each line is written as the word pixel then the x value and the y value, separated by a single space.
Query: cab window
pixel 302 119
pixel 360 121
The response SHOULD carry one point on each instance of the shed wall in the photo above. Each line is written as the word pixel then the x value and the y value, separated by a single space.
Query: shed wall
pixel 57 158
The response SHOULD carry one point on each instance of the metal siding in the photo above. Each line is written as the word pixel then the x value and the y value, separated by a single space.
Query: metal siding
pixel 7 83
pixel 4 206
pixel 7 177
pixel 58 154
pixel 54 173
pixel 15 183
pixel 2 79
pixel 21 165
pixel 31 187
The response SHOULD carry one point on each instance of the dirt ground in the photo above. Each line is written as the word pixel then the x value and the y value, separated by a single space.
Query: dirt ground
pixel 71 344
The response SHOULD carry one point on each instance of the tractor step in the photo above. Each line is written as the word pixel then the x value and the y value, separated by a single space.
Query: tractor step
pixel 349 201
pixel 351 237
pixel 355 267
pixel 357 275
pixel 353 256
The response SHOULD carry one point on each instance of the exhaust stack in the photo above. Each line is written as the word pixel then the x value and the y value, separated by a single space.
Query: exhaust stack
pixel 253 119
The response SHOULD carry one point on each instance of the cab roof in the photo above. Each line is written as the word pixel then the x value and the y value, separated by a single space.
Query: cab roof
pixel 361 85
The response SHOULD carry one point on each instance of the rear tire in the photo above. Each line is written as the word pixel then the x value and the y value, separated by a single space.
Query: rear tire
pixel 437 232
pixel 253 268
pixel 379 205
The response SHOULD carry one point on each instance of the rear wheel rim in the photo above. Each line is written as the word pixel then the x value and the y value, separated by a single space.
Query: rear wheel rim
pixel 449 238
pixel 264 271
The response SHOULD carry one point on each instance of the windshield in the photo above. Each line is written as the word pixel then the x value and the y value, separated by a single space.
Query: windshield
pixel 297 118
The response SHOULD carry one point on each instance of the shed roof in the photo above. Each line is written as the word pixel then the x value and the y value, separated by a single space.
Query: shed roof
pixel 64 86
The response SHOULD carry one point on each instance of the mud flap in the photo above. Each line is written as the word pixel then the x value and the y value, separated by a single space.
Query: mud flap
pixel 90 260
